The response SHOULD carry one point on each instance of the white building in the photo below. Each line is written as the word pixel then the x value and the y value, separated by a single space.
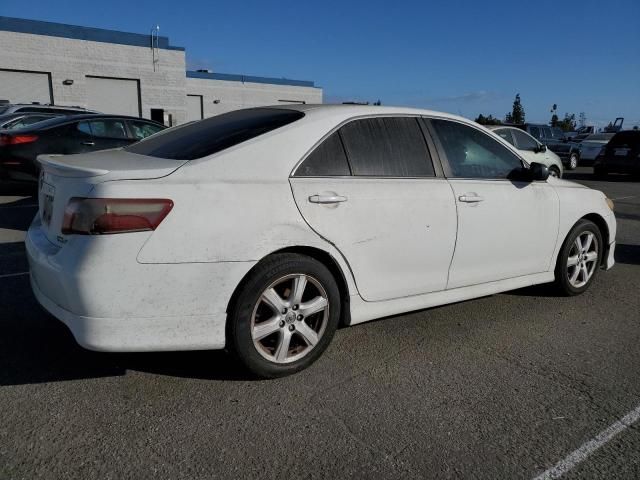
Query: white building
pixel 126 73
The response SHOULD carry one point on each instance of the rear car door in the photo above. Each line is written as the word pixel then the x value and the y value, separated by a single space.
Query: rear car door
pixel 371 189
pixel 109 133
pixel 506 228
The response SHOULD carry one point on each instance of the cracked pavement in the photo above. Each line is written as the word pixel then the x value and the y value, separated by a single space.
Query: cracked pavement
pixel 499 387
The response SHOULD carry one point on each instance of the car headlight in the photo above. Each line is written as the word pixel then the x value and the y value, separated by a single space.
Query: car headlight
pixel 609 203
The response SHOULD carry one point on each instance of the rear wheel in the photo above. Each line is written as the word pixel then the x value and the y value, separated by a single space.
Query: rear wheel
pixel 579 259
pixel 285 316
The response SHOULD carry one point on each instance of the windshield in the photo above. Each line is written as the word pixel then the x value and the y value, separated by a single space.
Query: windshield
pixel 206 137
pixel 3 109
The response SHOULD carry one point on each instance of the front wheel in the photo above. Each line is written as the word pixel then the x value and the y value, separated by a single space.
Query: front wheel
pixel 579 258
pixel 285 315
pixel 573 161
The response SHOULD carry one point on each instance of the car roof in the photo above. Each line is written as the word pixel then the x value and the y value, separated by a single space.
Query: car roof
pixel 61 120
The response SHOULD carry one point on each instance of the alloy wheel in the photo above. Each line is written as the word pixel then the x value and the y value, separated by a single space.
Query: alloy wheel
pixel 582 260
pixel 573 161
pixel 289 318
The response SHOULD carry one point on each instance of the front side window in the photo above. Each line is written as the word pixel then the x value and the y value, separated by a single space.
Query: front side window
pixel 525 142
pixel 108 129
pixel 84 128
pixel 214 134
pixel 387 147
pixel 506 134
pixel 473 154
pixel 327 160
pixel 141 130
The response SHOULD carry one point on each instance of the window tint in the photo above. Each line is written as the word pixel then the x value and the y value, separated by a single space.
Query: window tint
pixel 535 131
pixel 84 128
pixel 214 134
pixel 142 130
pixel 546 132
pixel 473 154
pixel 387 147
pixel 524 141
pixel 108 128
pixel 327 160
pixel 557 134
pixel 506 134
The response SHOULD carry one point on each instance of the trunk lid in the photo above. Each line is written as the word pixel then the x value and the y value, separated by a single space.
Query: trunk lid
pixel 65 176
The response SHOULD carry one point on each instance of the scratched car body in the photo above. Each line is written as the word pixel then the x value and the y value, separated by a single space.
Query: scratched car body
pixel 262 230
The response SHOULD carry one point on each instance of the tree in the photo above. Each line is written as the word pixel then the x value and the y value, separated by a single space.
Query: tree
pixel 489 120
pixel 554 116
pixel 582 119
pixel 568 123
pixel 517 113
pixel 377 103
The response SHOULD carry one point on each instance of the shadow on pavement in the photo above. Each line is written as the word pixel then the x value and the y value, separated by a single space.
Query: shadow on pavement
pixel 629 254
pixel 584 176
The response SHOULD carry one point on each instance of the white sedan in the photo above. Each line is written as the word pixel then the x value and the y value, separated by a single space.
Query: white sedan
pixel 530 148
pixel 262 230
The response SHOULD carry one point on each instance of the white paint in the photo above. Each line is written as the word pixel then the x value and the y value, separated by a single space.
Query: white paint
pixel 581 454
pixel 237 206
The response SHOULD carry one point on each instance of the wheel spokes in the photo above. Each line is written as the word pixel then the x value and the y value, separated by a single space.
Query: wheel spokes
pixel 275 301
pixel 314 306
pixel 266 328
pixel 591 256
pixel 282 351
pixel 299 285
pixel 307 333
pixel 572 261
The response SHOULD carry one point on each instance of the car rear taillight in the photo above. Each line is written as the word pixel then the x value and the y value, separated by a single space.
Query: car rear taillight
pixel 99 216
pixel 6 139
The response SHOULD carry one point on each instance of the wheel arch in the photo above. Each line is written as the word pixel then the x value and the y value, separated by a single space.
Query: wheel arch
pixel 321 256
pixel 601 223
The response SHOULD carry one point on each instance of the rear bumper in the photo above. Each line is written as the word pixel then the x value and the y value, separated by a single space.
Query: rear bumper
pixel 110 302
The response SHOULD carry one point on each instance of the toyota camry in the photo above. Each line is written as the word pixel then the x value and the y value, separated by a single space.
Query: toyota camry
pixel 263 230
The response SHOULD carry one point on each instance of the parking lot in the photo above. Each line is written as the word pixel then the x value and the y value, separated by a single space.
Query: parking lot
pixel 504 386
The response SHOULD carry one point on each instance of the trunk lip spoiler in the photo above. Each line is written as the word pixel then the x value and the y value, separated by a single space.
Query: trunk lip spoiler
pixel 51 164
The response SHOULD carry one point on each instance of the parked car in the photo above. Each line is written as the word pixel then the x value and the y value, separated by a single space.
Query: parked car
pixel 620 155
pixel 21 120
pixel 530 148
pixel 261 230
pixel 556 141
pixel 8 108
pixel 66 135
pixel 591 146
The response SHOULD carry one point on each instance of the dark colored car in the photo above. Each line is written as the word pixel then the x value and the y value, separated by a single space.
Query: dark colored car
pixel 21 120
pixel 8 108
pixel 620 155
pixel 66 135
pixel 556 141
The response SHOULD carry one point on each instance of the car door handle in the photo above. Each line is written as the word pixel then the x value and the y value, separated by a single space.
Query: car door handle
pixel 327 199
pixel 90 144
pixel 470 198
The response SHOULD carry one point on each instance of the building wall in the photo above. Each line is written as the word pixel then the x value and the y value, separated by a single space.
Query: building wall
pixel 74 59
pixel 233 95
pixel 68 52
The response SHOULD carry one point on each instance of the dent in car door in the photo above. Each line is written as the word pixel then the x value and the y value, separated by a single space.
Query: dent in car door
pixel 397 234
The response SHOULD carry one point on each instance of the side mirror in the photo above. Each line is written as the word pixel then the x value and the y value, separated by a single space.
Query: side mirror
pixel 538 172
pixel 542 148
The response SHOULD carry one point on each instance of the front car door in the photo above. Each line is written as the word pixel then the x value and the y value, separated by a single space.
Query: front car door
pixel 506 228
pixel 371 189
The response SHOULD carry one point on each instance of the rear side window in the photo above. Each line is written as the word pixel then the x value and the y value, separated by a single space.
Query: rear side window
pixel 108 128
pixel 387 147
pixel 141 130
pixel 327 160
pixel 212 135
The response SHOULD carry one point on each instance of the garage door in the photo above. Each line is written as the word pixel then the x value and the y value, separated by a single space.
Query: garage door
pixel 113 95
pixel 25 87
pixel 194 107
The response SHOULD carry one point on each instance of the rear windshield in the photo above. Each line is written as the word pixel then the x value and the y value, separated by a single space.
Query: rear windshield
pixel 206 137
pixel 630 139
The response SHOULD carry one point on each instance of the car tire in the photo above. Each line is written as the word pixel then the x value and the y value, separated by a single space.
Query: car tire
pixel 600 172
pixel 573 161
pixel 272 343
pixel 579 259
pixel 555 171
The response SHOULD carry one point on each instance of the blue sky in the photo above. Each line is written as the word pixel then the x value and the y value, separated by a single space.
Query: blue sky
pixel 464 57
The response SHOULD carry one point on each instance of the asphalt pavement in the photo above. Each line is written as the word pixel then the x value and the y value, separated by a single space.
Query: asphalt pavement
pixel 507 386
